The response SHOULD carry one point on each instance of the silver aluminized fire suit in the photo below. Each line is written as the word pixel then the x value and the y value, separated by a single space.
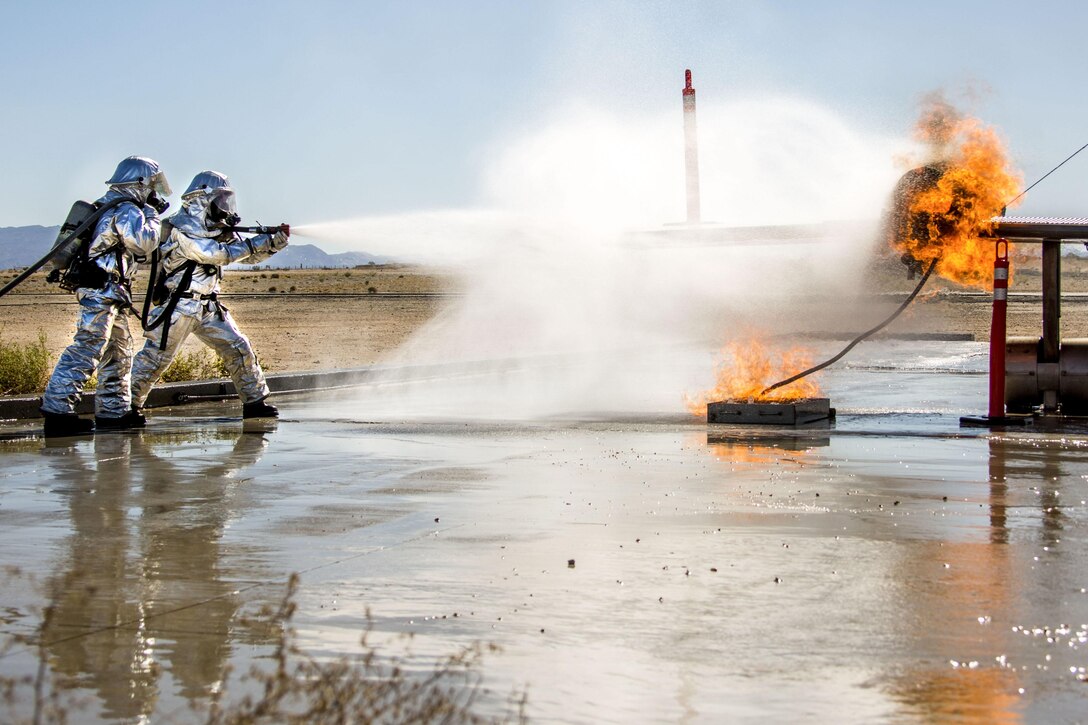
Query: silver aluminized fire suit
pixel 190 244
pixel 124 236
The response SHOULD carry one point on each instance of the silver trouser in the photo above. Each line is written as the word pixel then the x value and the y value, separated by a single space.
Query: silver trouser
pixel 102 341
pixel 213 325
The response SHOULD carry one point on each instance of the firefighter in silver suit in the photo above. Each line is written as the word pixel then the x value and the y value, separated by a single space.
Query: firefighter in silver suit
pixel 196 244
pixel 123 236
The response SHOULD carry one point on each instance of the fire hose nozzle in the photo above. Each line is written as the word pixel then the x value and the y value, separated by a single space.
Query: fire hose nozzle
pixel 285 228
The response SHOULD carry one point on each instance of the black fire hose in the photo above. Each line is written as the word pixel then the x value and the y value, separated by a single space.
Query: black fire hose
pixel 862 336
pixel 91 219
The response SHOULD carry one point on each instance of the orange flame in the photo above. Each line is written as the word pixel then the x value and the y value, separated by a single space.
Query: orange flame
pixel 746 369
pixel 753 453
pixel 974 185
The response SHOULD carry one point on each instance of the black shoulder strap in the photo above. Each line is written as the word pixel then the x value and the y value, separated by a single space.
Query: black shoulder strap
pixel 167 313
pixel 154 272
pixel 152 280
pixel 88 223
pixel 85 247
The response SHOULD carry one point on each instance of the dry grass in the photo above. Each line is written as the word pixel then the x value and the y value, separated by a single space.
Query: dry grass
pixel 24 367
pixel 199 364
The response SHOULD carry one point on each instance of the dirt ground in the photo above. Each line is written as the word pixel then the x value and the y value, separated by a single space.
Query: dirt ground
pixel 296 319
pixel 323 319
pixel 944 307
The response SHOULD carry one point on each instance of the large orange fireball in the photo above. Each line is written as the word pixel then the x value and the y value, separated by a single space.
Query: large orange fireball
pixel 747 368
pixel 943 208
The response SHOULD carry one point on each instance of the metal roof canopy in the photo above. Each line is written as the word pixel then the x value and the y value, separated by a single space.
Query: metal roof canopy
pixel 1041 229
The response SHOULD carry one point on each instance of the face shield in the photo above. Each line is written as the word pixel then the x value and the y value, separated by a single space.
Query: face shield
pixel 222 211
pixel 160 185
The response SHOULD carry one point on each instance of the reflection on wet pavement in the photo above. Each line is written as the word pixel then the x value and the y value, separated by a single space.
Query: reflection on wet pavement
pixel 886 568
pixel 143 547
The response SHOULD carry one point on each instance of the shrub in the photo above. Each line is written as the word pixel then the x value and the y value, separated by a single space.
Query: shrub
pixel 272 288
pixel 24 368
pixel 372 290
pixel 199 365
pixel 362 687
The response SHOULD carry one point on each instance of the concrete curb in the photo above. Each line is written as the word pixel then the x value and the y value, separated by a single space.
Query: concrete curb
pixel 164 394
pixel 195 391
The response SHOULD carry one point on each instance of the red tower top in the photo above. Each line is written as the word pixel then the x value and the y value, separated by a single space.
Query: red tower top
pixel 688 90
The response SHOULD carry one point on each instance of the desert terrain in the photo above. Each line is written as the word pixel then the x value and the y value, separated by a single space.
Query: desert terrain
pixel 314 319
pixel 301 319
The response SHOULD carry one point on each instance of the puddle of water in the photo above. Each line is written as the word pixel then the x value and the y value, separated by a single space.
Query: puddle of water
pixel 890 567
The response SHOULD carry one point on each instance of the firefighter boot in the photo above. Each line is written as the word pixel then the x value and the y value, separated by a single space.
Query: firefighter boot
pixel 259 409
pixel 60 425
pixel 132 419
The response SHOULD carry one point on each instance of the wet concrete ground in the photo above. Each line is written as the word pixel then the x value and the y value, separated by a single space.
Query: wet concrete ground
pixel 891 567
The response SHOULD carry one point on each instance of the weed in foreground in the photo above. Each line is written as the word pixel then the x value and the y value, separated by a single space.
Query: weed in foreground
pixel 361 688
pixel 289 686
pixel 24 368
pixel 197 365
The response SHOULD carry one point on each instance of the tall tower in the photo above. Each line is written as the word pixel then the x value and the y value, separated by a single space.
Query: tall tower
pixel 691 150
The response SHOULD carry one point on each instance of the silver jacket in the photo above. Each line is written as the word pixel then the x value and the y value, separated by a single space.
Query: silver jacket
pixel 123 237
pixel 188 238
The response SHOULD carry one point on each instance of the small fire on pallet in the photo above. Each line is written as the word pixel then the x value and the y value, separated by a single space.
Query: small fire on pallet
pixel 744 393
pixel 788 412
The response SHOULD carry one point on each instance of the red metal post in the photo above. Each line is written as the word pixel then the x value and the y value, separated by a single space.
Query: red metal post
pixel 997 329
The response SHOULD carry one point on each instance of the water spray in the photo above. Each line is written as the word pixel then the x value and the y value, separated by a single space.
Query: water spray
pixel 868 333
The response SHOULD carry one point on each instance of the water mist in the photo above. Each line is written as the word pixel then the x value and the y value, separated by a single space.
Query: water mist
pixel 566 309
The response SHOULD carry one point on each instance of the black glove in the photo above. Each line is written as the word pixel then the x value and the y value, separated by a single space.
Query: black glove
pixel 157 203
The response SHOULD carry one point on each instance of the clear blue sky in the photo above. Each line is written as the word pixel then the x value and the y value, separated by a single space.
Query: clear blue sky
pixel 325 110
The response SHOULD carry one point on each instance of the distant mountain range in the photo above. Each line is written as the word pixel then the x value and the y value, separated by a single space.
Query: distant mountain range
pixel 309 255
pixel 21 246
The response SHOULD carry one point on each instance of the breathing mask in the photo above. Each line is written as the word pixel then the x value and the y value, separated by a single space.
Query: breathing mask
pixel 222 211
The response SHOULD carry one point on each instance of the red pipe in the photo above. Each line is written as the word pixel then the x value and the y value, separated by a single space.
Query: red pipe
pixel 997 329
